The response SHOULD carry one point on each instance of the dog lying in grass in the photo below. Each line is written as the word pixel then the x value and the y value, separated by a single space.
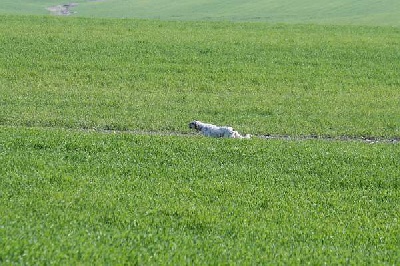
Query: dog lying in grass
pixel 214 131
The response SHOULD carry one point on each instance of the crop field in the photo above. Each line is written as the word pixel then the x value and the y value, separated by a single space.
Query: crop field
pixel 98 166
pixel 69 197
pixel 356 12
pixel 151 75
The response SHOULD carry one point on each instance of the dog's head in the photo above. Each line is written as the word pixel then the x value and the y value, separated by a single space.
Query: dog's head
pixel 195 125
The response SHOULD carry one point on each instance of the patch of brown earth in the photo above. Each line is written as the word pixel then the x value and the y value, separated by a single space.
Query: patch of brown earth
pixel 62 10
pixel 65 9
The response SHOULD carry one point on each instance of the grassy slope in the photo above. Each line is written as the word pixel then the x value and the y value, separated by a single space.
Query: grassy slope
pixel 27 7
pixel 305 11
pixel 149 75
pixel 366 12
pixel 69 197
pixel 72 197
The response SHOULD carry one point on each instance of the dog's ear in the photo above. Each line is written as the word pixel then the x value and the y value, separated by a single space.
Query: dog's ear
pixel 195 124
pixel 192 125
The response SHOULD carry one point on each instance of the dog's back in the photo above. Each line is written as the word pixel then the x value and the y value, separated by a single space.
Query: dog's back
pixel 211 130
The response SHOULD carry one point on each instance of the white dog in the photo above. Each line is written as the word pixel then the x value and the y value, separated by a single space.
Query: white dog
pixel 210 130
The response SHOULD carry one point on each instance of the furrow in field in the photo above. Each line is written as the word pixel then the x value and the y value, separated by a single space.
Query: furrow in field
pixel 370 139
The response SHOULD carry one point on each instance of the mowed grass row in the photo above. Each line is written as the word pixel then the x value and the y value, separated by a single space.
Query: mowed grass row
pixel 68 197
pixel 154 75
pixel 366 12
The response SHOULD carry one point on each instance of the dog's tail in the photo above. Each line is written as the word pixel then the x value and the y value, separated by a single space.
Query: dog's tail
pixel 236 135
pixel 247 136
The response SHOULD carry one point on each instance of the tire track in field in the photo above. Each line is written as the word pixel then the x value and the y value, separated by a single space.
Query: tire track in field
pixel 370 140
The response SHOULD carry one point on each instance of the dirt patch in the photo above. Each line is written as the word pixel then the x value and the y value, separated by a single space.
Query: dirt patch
pixel 370 140
pixel 65 9
pixel 62 10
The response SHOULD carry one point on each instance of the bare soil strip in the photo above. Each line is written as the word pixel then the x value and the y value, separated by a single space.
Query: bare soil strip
pixel 65 9
pixel 62 10
pixel 370 140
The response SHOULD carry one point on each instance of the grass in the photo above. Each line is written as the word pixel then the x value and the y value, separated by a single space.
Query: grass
pixel 366 12
pixel 153 75
pixel 69 197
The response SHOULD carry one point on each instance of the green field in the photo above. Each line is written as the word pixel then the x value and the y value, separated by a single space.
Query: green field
pixel 365 12
pixel 151 75
pixel 69 197
pixel 98 166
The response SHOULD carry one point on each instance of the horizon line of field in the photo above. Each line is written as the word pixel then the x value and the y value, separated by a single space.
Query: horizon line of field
pixel 342 138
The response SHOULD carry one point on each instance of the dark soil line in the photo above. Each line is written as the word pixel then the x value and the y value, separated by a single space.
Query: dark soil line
pixel 62 10
pixel 370 140
pixel 336 138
